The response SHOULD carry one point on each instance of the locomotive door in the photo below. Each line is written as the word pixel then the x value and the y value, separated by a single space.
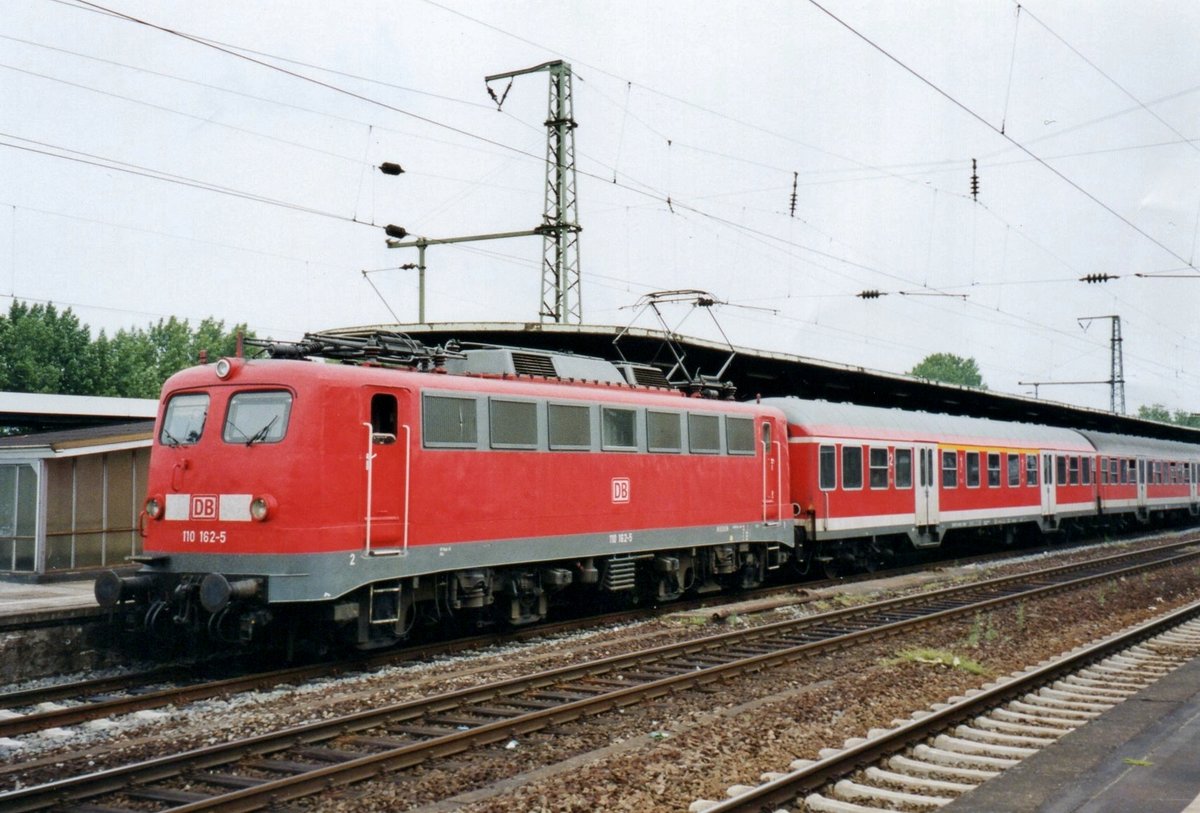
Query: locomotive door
pixel 1049 503
pixel 926 492
pixel 386 463
pixel 772 475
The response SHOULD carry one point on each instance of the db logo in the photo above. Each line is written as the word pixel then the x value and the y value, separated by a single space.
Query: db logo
pixel 204 506
pixel 620 489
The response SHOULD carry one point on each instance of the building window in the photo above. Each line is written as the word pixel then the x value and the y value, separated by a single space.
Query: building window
pixel 827 465
pixel 618 428
pixel 664 432
pixel 993 464
pixel 949 469
pixel 972 469
pixel 570 427
pixel 449 421
pixel 739 435
pixel 904 468
pixel 852 468
pixel 879 467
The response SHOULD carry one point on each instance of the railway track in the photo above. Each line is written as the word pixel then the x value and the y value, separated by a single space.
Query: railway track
pixel 942 754
pixel 251 773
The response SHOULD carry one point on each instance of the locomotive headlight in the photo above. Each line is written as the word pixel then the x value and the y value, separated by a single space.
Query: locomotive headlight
pixel 261 508
pixel 224 368
pixel 154 507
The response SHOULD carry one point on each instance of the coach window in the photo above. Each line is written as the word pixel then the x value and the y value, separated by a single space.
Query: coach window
pixel 949 469
pixel 257 417
pixel 1014 470
pixel 1062 470
pixel 972 469
pixel 513 424
pixel 663 432
pixel 739 435
pixel 449 421
pixel 183 423
pixel 1085 471
pixel 570 427
pixel 1104 471
pixel 1073 470
pixel 618 429
pixel 879 467
pixel 993 463
pixel 852 473
pixel 1031 471
pixel 827 465
pixel 1113 470
pixel 704 433
pixel 1124 470
pixel 904 468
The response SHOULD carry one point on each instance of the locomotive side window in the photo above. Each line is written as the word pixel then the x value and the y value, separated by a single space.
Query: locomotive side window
pixel 257 417
pixel 570 427
pixel 183 423
pixel 664 432
pixel 704 433
pixel 449 421
pixel 949 469
pixel 383 418
pixel 739 435
pixel 904 469
pixel 513 424
pixel 993 464
pixel 618 428
pixel 972 469
pixel 828 468
pixel 1031 470
pixel 852 472
pixel 879 467
pixel 1014 470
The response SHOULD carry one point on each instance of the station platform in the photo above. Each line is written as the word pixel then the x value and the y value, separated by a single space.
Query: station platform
pixel 22 604
pixel 1143 756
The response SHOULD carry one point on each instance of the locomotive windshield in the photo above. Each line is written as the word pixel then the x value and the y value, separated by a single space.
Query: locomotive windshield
pixel 183 422
pixel 257 417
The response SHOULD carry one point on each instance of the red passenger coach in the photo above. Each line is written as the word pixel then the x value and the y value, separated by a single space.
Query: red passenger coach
pixel 867 481
pixel 363 499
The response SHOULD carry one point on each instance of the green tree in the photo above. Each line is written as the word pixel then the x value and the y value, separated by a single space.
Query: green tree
pixel 1154 412
pixel 950 369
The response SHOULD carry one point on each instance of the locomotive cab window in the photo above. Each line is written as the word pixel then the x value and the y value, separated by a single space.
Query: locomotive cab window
pixel 852 473
pixel 664 432
pixel 618 428
pixel 257 417
pixel 183 422
pixel 972 469
pixel 739 435
pixel 513 424
pixel 570 427
pixel 827 465
pixel 879 467
pixel 449 421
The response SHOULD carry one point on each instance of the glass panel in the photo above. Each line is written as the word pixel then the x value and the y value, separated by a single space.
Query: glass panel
pixel 59 495
pixel 183 423
pixel 383 414
pixel 89 550
pixel 24 554
pixel 972 469
pixel 1062 470
pixel 739 435
pixel 828 467
pixel 852 475
pixel 1014 470
pixel 89 493
pixel 993 464
pixel 703 433
pixel 618 428
pixel 904 468
pixel 257 417
pixel 949 469
pixel 1073 465
pixel 122 506
pixel 58 552
pixel 879 468
pixel 664 431
pixel 449 421
pixel 8 506
pixel 1086 471
pixel 514 423
pixel 1031 470
pixel 570 427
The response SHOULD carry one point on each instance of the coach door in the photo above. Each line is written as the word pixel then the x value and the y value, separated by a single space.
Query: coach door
pixel 926 492
pixel 1143 476
pixel 385 441
pixel 1049 503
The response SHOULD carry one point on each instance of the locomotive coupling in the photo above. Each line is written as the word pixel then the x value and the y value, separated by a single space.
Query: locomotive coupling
pixel 112 589
pixel 216 591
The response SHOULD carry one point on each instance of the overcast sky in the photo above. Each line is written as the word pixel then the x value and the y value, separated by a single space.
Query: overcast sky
pixel 1082 117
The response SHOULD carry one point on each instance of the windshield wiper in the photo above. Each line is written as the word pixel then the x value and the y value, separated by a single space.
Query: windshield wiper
pixel 261 434
pixel 172 441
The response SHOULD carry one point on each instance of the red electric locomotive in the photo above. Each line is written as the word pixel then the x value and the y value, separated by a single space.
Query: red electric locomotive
pixel 361 499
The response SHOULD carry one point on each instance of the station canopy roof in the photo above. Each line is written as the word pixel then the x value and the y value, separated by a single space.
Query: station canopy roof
pixel 765 373
pixel 40 411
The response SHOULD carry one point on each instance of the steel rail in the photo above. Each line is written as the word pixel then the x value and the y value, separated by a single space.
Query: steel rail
pixel 115 779
pixel 783 791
